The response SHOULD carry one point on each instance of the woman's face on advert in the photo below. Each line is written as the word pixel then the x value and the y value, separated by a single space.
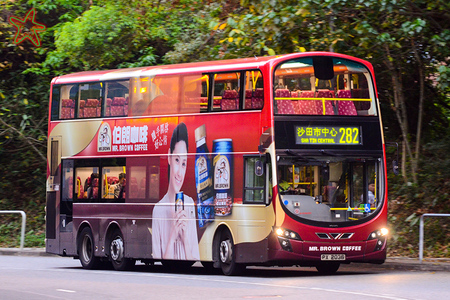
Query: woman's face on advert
pixel 178 164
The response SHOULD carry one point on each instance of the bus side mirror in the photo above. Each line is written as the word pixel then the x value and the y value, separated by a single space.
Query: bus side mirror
pixel 259 168
pixel 395 161
pixel 265 140
pixel 395 167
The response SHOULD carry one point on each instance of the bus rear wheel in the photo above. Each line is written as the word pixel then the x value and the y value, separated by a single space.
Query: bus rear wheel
pixel 227 256
pixel 86 249
pixel 117 253
pixel 328 268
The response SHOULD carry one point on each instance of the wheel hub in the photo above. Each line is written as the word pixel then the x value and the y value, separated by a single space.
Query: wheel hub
pixel 117 249
pixel 226 251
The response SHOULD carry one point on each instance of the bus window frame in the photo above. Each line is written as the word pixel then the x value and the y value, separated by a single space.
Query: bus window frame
pixel 105 92
pixel 241 93
pixel 239 81
pixel 55 111
pixel 99 163
pixel 55 105
pixel 264 189
pixel 102 99
pixel 367 74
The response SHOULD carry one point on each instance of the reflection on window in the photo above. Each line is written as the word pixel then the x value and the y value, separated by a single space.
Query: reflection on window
pixel 143 180
pixel 68 184
pixel 254 184
pixel 154 183
pixel 196 92
pixel 138 182
pixel 56 91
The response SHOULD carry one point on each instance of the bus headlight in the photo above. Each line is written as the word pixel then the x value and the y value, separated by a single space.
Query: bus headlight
pixel 289 234
pixel 285 236
pixel 379 235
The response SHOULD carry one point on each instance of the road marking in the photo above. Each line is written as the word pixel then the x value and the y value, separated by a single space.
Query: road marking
pixel 65 291
pixel 138 274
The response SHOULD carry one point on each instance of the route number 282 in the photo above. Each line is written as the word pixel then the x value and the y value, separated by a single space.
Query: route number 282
pixel 349 135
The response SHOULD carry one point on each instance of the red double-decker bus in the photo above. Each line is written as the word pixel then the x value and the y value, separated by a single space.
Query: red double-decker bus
pixel 260 161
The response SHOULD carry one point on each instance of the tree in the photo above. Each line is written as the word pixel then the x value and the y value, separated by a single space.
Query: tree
pixel 394 35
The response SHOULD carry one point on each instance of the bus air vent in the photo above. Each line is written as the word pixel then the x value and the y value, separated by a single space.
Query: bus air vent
pixel 347 235
pixel 323 236
pixel 335 235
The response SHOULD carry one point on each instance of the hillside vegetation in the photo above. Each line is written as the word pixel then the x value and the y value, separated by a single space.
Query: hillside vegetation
pixel 406 41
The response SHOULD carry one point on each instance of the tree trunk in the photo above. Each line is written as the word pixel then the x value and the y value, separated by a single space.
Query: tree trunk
pixel 400 110
pixel 420 115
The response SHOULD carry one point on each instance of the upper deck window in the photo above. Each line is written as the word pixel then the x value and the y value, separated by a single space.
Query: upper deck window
pixel 90 100
pixel 227 87
pixel 228 94
pixel 116 104
pixel 254 90
pixel 323 86
pixel 68 99
pixel 169 94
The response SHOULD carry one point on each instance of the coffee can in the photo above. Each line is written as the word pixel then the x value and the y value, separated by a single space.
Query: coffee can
pixel 223 176
pixel 179 201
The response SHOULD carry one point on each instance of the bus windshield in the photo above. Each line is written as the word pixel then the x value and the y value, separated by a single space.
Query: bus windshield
pixel 329 189
pixel 323 86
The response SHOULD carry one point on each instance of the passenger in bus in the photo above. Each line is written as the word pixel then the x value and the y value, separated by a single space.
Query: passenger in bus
pixel 370 194
pixel 174 229
pixel 92 190
pixel 119 190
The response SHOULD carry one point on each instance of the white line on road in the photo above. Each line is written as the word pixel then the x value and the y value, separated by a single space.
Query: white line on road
pixel 65 291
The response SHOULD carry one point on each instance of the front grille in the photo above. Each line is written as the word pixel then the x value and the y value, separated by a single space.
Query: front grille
pixel 334 235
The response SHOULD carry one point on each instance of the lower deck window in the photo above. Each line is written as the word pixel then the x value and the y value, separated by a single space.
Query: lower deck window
pixel 255 180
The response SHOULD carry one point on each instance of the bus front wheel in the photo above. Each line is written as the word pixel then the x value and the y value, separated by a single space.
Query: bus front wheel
pixel 86 249
pixel 227 256
pixel 117 253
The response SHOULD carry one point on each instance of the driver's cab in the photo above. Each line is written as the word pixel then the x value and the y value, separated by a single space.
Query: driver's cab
pixel 329 189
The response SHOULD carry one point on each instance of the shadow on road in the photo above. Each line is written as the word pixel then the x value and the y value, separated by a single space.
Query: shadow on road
pixel 256 272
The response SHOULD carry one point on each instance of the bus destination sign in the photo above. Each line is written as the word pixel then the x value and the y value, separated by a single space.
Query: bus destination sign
pixel 327 135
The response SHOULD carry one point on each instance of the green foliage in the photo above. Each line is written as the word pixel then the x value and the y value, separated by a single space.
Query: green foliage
pixel 97 39
pixel 105 34
pixel 10 236
pixel 408 202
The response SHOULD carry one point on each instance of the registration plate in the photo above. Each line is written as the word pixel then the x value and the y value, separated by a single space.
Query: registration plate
pixel 332 257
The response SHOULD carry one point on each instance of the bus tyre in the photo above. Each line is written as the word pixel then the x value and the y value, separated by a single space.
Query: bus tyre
pixel 227 256
pixel 117 251
pixel 86 249
pixel 328 268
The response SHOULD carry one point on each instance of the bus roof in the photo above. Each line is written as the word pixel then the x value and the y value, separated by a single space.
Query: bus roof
pixel 203 67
